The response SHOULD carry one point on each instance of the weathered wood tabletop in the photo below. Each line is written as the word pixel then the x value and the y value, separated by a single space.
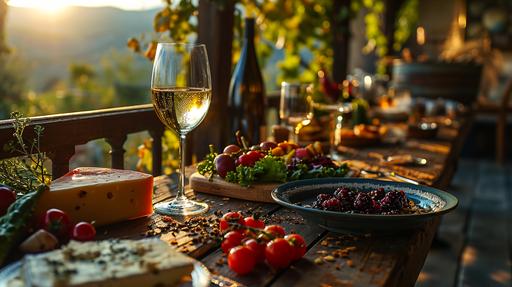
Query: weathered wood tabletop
pixel 391 260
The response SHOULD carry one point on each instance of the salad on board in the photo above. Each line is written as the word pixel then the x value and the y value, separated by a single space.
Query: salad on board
pixel 269 162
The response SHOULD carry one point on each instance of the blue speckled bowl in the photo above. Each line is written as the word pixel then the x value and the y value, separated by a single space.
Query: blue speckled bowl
pixel 292 193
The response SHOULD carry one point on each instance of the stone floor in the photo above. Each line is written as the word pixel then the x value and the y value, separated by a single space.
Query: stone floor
pixel 473 246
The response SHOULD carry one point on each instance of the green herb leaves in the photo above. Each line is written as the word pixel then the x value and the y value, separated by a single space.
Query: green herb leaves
pixel 24 174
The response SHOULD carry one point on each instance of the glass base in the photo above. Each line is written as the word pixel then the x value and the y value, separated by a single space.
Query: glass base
pixel 181 207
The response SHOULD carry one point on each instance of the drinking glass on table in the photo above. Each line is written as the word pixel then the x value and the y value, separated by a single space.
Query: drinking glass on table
pixel 295 107
pixel 181 94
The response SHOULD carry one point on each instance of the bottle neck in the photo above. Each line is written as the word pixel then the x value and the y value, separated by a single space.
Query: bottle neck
pixel 249 32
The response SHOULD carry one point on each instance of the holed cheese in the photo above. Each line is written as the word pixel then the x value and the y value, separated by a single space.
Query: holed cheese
pixel 102 195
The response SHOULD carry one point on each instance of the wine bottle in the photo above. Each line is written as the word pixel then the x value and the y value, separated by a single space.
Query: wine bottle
pixel 246 104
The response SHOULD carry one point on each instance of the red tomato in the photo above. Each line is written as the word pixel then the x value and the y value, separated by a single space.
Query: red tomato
pixel 57 222
pixel 302 153
pixel 241 260
pixel 257 248
pixel 276 230
pixel 7 197
pixel 298 244
pixel 255 155
pixel 84 231
pixel 246 160
pixel 230 217
pixel 278 253
pixel 231 239
pixel 254 223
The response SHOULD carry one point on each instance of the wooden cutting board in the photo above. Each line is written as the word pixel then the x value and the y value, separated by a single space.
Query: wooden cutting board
pixel 217 186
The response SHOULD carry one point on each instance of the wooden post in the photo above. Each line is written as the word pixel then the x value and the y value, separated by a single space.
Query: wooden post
pixel 390 13
pixel 216 31
pixel 117 151
pixel 341 39
pixel 60 161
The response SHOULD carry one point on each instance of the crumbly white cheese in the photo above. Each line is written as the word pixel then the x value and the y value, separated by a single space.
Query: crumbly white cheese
pixel 109 263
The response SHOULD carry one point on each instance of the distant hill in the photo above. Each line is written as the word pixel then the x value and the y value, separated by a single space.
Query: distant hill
pixel 50 42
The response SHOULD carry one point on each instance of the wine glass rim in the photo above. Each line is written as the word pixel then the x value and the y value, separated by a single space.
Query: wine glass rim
pixel 181 44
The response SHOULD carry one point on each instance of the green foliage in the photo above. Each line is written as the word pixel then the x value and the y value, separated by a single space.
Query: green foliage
pixel 12 83
pixel 405 23
pixel 267 169
pixel 294 26
pixel 170 154
pixel 207 166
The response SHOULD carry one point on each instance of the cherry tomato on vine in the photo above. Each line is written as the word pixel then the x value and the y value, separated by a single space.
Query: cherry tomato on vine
pixel 298 244
pixel 276 230
pixel 254 223
pixel 241 260
pixel 230 217
pixel 278 253
pixel 231 239
pixel 257 248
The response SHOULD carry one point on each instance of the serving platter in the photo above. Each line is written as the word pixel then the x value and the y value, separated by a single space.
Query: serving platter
pixel 296 195
pixel 199 277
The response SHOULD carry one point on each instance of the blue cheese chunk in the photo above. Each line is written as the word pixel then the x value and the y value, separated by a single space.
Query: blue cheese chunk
pixel 109 263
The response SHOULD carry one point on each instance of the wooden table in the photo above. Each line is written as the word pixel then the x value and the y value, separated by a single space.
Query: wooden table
pixel 392 260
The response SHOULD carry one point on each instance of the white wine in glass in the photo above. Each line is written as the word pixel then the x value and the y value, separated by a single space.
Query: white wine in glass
pixel 295 108
pixel 181 94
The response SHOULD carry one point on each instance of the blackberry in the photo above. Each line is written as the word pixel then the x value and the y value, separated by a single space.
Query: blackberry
pixel 323 197
pixel 394 201
pixel 363 202
pixel 331 204
pixel 320 199
pixel 344 193
pixel 377 194
pixel 376 207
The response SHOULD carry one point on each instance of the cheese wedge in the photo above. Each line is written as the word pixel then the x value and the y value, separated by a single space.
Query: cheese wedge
pixel 102 195
pixel 112 263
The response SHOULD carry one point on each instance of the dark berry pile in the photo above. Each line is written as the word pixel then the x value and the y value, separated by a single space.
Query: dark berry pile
pixel 376 201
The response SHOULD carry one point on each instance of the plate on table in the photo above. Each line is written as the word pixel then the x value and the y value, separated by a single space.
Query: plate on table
pixel 10 276
pixel 299 196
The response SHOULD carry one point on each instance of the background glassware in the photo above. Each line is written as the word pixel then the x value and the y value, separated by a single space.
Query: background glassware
pixel 181 94
pixel 295 108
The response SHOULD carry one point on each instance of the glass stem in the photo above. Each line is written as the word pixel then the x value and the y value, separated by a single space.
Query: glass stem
pixel 181 185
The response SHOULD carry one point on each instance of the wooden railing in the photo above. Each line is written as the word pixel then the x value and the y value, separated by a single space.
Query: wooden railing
pixel 62 132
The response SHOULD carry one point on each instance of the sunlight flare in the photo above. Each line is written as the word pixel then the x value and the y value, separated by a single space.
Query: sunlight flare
pixel 49 6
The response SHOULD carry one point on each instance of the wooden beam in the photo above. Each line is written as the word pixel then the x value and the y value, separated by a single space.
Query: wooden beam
pixel 216 31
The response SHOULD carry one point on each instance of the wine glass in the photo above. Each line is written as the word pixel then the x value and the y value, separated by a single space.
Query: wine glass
pixel 295 107
pixel 181 94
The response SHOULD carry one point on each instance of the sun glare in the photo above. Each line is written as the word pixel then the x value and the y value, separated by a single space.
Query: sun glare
pixel 49 6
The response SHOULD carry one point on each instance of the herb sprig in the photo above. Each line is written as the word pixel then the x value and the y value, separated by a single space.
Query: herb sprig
pixel 26 172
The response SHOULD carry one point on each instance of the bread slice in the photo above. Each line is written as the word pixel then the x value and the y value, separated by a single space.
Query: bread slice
pixel 109 263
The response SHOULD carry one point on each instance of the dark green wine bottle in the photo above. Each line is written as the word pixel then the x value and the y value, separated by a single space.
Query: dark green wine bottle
pixel 246 103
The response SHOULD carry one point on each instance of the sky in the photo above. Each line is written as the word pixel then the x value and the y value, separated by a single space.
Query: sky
pixel 59 5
